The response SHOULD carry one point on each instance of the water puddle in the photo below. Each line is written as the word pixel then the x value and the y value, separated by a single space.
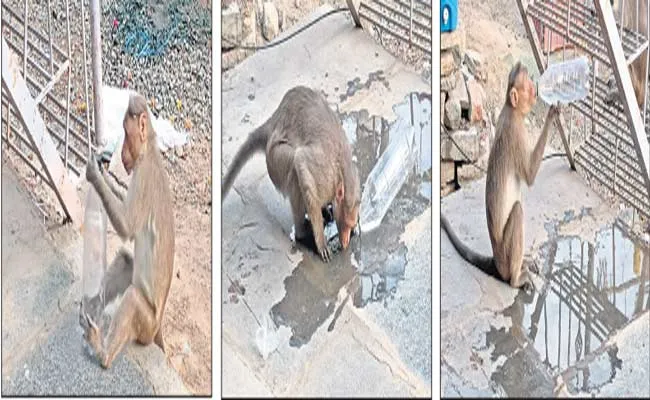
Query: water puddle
pixel 591 290
pixel 371 268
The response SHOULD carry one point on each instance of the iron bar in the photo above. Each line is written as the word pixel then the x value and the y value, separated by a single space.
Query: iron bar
pixel 49 33
pixel 85 53
pixel 25 40
pixel 96 48
pixel 50 85
pixel 67 102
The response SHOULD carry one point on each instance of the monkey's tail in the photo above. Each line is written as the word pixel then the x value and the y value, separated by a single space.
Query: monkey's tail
pixel 484 263
pixel 255 142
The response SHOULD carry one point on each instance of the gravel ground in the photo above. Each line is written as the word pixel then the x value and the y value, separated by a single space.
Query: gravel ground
pixel 178 84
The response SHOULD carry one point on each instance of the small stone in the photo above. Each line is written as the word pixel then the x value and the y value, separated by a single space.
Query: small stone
pixel 231 26
pixel 453 39
pixel 459 94
pixel 475 64
pixel 452 114
pixel 476 96
pixel 467 140
pixel 271 22
pixel 448 83
pixel 449 61
pixel 443 98
pixel 180 152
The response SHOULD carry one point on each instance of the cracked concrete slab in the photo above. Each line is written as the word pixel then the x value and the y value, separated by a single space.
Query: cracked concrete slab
pixel 326 344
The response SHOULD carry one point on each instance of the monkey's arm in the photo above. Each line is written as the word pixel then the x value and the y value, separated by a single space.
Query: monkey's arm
pixel 114 188
pixel 114 208
pixel 533 161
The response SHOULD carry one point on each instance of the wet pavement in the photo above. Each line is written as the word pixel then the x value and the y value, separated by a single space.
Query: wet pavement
pixel 296 325
pixel 565 338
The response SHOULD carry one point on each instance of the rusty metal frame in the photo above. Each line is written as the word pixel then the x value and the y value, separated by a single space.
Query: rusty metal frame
pixel 616 154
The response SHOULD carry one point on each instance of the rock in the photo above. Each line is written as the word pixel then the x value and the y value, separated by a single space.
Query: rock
pixel 448 83
pixel 467 140
pixel 443 98
pixel 476 95
pixel 231 26
pixel 453 39
pixel 452 114
pixel 475 64
pixel 271 22
pixel 449 61
pixel 459 93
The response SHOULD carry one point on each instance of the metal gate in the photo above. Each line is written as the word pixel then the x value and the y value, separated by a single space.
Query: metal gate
pixel 615 154
pixel 49 130
pixel 408 22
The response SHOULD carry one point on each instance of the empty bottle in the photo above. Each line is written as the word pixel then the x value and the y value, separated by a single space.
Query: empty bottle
pixel 94 256
pixel 387 177
pixel 564 82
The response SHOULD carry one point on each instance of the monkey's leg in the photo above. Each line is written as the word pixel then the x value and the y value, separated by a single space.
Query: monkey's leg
pixel 134 319
pixel 118 276
pixel 513 248
pixel 312 203
pixel 117 279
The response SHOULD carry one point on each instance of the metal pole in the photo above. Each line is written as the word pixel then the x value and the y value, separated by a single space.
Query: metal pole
pixel 96 49
pixel 67 102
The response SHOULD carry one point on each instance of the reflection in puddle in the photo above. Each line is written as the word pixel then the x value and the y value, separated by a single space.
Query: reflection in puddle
pixel 370 270
pixel 591 291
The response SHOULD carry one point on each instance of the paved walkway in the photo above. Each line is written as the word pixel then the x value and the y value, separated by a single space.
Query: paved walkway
pixel 42 343
pixel 382 349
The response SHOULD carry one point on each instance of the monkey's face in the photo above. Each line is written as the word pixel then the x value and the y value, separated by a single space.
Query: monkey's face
pixel 526 92
pixel 346 219
pixel 134 135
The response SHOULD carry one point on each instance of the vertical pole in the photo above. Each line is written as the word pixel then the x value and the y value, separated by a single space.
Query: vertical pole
pixel 67 103
pixel 96 49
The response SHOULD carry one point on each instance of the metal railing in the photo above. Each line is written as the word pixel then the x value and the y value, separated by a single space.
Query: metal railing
pixel 408 22
pixel 49 131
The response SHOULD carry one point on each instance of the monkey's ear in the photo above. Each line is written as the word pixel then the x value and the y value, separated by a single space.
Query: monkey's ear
pixel 514 97
pixel 142 124
pixel 340 192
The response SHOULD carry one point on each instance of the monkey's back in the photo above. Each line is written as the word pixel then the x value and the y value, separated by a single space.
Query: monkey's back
pixel 154 234
pixel 304 121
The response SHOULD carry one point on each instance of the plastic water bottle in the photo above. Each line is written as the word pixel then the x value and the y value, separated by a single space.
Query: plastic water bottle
pixel 94 255
pixel 564 82
pixel 387 177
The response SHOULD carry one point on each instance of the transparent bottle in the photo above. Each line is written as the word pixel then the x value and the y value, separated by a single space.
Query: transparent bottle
pixel 564 82
pixel 94 256
pixel 387 177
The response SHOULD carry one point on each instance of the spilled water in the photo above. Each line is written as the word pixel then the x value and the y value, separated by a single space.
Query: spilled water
pixel 371 268
pixel 590 291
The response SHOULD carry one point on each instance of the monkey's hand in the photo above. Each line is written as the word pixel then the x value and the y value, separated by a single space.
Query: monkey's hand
pixel 554 111
pixel 92 169
pixel 323 250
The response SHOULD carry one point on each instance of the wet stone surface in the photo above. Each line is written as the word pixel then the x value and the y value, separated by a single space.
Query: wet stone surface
pixel 373 266
pixel 591 290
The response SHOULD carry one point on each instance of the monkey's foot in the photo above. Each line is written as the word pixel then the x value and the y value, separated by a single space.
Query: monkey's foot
pixel 94 338
pixel 531 265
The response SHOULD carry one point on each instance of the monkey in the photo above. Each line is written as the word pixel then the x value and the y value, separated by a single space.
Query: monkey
pixel 145 216
pixel 309 160
pixel 511 163
pixel 638 69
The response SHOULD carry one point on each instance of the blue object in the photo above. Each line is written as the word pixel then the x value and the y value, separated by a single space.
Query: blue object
pixel 448 15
